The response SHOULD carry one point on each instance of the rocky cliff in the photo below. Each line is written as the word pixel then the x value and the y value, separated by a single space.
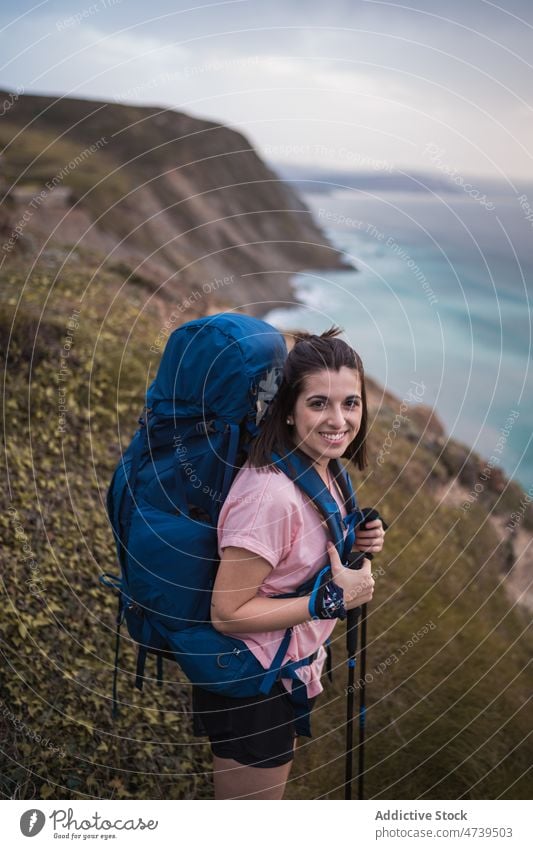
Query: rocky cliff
pixel 170 201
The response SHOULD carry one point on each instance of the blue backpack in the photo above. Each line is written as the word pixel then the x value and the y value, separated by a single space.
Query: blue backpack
pixel 215 380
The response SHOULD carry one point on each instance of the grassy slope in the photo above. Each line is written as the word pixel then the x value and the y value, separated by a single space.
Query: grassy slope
pixel 59 647
pixel 450 717
pixel 33 158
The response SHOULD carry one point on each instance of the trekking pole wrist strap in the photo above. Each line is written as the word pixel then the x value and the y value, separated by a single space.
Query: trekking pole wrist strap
pixel 327 598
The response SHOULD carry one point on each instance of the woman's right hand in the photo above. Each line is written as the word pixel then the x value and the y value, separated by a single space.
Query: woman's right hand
pixel 357 584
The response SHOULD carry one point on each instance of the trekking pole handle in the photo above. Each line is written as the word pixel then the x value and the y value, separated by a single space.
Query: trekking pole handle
pixel 356 558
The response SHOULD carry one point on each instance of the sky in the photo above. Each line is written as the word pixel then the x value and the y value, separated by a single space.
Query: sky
pixel 348 84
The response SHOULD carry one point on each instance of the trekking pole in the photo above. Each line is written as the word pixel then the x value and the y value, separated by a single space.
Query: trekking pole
pixel 362 706
pixel 352 620
pixel 356 562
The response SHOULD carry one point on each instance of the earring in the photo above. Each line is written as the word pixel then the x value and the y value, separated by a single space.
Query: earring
pixel 289 421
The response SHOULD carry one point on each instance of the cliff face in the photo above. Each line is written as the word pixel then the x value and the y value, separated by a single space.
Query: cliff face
pixel 176 201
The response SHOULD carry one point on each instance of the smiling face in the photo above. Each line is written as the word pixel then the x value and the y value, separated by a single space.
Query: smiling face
pixel 327 414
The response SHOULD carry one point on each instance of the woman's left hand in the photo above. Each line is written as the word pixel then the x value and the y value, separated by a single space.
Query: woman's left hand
pixel 371 538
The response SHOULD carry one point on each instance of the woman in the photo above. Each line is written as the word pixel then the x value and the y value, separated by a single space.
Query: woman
pixel 272 539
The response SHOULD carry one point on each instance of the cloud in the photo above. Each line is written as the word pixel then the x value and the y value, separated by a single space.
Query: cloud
pixel 372 74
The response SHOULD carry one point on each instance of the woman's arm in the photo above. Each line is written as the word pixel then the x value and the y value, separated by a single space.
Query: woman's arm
pixel 236 607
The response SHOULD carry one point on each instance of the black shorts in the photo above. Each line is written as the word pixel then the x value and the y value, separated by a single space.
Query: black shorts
pixel 257 731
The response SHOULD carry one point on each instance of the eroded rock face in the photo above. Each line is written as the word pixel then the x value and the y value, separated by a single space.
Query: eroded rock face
pixel 181 202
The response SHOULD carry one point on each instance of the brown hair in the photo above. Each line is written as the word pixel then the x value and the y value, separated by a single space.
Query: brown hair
pixel 309 355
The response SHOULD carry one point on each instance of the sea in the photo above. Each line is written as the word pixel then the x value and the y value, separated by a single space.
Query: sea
pixel 438 308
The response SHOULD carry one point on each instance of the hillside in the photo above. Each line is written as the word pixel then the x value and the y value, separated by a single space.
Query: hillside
pixel 167 200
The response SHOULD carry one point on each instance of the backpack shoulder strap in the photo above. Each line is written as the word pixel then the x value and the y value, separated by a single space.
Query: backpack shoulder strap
pixel 344 482
pixel 299 468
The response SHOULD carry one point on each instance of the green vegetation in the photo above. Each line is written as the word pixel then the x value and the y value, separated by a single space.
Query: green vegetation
pixel 450 716
pixel 57 627
pixel 32 158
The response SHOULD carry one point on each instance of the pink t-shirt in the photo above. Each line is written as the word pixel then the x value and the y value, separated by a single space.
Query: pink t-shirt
pixel 266 513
